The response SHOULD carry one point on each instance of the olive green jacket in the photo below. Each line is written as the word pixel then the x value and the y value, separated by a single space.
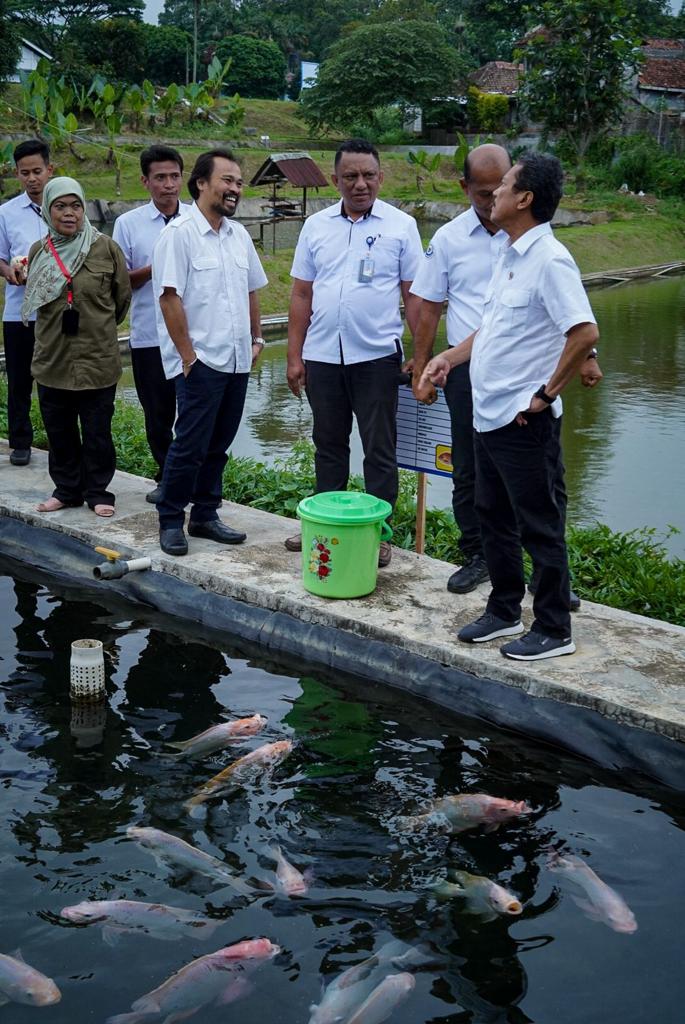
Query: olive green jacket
pixel 102 295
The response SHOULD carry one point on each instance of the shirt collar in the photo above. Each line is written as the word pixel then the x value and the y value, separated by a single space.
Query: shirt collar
pixel 339 211
pixel 203 225
pixel 473 222
pixel 523 244
pixel 156 212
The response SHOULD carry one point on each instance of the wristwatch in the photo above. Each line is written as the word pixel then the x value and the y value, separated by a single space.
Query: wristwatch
pixel 592 354
pixel 259 341
pixel 541 393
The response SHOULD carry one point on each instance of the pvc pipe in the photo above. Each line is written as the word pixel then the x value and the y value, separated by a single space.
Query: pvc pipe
pixel 114 570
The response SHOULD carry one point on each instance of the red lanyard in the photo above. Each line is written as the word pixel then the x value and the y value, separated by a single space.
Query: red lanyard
pixel 70 294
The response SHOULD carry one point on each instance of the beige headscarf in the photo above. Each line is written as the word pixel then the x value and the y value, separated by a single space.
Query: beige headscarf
pixel 45 279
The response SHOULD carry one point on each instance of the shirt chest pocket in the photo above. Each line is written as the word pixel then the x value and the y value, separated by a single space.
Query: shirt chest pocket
pixel 94 279
pixel 514 305
pixel 205 281
pixel 385 252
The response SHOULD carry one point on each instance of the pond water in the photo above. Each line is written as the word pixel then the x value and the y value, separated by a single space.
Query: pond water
pixel 623 441
pixel 363 756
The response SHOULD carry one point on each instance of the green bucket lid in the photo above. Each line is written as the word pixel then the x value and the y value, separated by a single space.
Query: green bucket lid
pixel 343 508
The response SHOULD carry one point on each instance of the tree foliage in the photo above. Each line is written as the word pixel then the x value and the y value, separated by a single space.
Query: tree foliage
pixel 395 62
pixel 257 67
pixel 165 59
pixel 9 43
pixel 576 68
pixel 49 20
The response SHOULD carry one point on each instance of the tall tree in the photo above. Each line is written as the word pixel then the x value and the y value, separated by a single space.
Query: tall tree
pixel 577 66
pixel 394 62
pixel 257 67
pixel 51 19
pixel 9 43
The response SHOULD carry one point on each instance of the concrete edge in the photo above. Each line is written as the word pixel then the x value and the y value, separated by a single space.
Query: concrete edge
pixel 582 731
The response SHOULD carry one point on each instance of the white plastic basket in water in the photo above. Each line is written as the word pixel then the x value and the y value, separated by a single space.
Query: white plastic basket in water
pixel 88 719
pixel 87 677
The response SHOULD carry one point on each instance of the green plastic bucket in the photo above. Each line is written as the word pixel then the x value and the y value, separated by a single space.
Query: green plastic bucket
pixel 341 535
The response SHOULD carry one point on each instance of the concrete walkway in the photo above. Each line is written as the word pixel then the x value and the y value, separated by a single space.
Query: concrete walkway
pixel 628 669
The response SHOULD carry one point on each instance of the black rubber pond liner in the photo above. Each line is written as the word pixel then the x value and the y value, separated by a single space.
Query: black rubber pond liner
pixel 582 731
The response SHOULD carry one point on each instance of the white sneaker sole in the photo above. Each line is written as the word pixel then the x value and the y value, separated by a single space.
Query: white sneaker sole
pixel 558 652
pixel 507 631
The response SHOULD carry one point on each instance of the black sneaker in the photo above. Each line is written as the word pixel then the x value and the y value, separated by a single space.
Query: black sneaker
pixel 20 456
pixel 488 627
pixel 154 496
pixel 466 579
pixel 536 646
pixel 574 601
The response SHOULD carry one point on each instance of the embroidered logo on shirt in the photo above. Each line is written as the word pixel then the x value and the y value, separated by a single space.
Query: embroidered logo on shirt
pixel 429 252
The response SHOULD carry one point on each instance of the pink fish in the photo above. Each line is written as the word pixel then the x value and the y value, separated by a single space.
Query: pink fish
pixel 219 736
pixel 215 978
pixel 290 881
pixel 603 903
pixel 20 983
pixel 265 756
pixel 468 810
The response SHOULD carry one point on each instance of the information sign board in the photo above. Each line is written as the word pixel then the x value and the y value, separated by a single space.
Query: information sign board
pixel 424 436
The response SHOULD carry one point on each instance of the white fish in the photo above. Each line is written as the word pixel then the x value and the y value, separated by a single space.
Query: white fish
pixel 171 851
pixel 464 811
pixel 603 903
pixel 349 990
pixel 20 983
pixel 215 978
pixel 219 736
pixel 290 881
pixel 263 757
pixel 483 896
pixel 378 1006
pixel 155 919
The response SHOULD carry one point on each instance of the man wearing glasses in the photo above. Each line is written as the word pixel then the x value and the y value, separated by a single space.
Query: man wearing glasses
pixel 352 264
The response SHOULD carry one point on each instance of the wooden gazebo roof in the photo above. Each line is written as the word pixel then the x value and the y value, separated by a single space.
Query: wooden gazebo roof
pixel 296 168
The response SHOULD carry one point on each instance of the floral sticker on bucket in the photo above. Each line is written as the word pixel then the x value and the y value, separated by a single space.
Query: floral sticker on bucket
pixel 320 562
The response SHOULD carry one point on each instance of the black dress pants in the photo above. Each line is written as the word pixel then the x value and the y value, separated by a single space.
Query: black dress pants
pixel 157 396
pixel 460 405
pixel 19 341
pixel 519 484
pixel 83 463
pixel 368 391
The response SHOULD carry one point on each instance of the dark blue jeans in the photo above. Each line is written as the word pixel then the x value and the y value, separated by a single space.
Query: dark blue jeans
pixel 520 500
pixel 210 407
pixel 19 343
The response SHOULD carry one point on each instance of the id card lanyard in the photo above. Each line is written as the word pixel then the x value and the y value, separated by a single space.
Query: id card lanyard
pixel 366 264
pixel 70 294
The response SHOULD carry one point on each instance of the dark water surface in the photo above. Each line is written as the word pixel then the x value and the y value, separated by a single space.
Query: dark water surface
pixel 363 755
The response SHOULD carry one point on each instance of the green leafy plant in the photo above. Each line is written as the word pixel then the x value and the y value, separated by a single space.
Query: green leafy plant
pixel 426 168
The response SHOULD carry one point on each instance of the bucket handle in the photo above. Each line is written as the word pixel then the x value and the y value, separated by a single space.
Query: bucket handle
pixel 386 531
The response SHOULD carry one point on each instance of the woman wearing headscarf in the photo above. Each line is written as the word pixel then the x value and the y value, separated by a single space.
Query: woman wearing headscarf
pixel 79 286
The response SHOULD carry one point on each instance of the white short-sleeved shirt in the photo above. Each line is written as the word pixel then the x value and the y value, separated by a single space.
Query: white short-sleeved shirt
pixel 213 272
pixel 534 299
pixel 136 234
pixel 20 226
pixel 361 318
pixel 457 266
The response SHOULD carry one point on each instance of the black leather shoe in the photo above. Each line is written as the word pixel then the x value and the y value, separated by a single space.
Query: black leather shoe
pixel 216 530
pixel 574 601
pixel 154 496
pixel 173 541
pixel 20 456
pixel 466 579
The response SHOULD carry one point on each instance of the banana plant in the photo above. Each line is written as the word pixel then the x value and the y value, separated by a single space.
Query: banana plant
pixel 426 164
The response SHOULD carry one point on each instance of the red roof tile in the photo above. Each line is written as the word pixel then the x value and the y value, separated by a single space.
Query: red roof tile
pixel 662 73
pixel 498 76
pixel 296 168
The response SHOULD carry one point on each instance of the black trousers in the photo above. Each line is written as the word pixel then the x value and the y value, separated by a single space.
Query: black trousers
pixel 19 341
pixel 210 407
pixel 519 473
pixel 157 396
pixel 83 463
pixel 368 391
pixel 460 405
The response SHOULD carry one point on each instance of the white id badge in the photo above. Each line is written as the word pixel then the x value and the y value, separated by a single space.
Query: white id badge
pixel 366 270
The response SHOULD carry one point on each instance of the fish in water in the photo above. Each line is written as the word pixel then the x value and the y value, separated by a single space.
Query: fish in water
pixel 215 978
pixel 603 903
pixel 348 990
pixel 20 983
pixel 289 880
pixel 155 919
pixel 172 852
pixel 467 810
pixel 219 736
pixel 265 756
pixel 483 896
pixel 378 1006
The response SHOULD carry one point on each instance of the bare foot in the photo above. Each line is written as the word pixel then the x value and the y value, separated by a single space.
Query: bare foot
pixel 104 511
pixel 51 505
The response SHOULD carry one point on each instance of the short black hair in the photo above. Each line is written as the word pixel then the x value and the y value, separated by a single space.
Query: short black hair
pixel 204 165
pixel 542 175
pixel 32 147
pixel 156 154
pixel 356 146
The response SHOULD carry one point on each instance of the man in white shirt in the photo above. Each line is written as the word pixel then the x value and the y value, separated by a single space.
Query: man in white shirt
pixel 457 267
pixel 136 233
pixel 21 225
pixel 205 274
pixel 536 332
pixel 352 264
